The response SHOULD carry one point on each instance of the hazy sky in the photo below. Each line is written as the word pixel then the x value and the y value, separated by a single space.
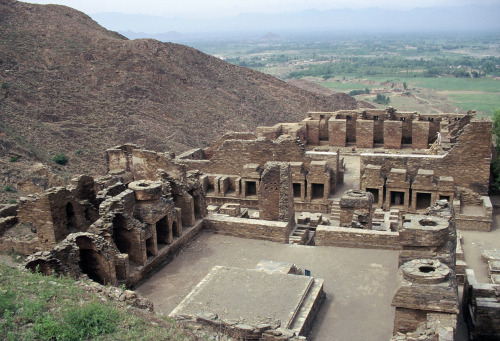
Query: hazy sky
pixel 224 8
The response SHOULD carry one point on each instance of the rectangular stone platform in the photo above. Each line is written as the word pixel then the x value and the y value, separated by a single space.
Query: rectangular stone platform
pixel 254 297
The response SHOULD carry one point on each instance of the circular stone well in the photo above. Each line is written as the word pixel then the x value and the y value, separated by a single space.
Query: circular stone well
pixel 425 271
pixel 423 230
pixel 146 190
pixel 355 198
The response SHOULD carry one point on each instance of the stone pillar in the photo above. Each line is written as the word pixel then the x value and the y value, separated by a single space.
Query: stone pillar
pixel 276 193
pixel 356 209
pixel 338 132
pixel 364 133
pixel 393 134
pixel 312 132
pixel 420 134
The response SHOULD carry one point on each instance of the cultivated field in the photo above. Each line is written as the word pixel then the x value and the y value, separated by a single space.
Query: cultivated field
pixel 422 72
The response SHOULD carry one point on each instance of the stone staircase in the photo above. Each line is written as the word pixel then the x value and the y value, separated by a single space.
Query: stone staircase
pixel 335 212
pixel 299 235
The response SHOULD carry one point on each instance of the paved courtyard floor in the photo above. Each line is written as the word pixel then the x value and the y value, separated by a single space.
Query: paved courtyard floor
pixel 359 283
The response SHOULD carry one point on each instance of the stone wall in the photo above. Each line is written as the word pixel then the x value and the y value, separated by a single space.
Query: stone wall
pixel 233 155
pixel 481 307
pixel 364 134
pixel 54 214
pixel 138 224
pixel 420 135
pixel 357 238
pixel 24 247
pixel 212 149
pixel 480 220
pixel 145 165
pixel 366 127
pixel 393 134
pixel 468 162
pixel 338 132
pixel 276 231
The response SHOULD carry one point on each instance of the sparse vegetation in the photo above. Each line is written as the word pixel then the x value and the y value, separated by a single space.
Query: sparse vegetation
pixel 71 113
pixel 37 307
pixel 9 189
pixel 60 159
pixel 13 159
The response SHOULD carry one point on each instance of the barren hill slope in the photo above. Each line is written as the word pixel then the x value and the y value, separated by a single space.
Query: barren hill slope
pixel 70 86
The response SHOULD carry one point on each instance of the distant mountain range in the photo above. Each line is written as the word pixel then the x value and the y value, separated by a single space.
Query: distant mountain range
pixel 467 18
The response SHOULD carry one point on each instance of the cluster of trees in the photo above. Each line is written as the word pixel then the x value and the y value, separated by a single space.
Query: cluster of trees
pixel 391 66
pixel 359 92
pixel 382 99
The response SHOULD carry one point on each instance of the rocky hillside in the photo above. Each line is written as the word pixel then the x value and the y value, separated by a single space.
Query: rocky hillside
pixel 70 86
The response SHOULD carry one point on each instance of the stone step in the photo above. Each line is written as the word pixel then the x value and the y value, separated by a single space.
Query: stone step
pixel 308 309
pixel 298 236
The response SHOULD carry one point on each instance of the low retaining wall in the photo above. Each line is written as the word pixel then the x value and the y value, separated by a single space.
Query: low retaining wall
pixel 276 231
pixel 356 238
pixel 472 223
pixel 481 222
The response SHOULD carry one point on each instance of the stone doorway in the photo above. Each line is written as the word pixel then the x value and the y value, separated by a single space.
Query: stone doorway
pixel 423 200
pixel 397 198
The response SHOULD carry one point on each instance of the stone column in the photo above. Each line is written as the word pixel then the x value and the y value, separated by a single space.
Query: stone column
pixel 276 193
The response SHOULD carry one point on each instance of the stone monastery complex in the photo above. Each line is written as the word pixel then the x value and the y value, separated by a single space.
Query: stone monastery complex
pixel 422 179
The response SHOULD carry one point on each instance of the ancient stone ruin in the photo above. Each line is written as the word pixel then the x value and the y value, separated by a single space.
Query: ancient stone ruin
pixel 286 184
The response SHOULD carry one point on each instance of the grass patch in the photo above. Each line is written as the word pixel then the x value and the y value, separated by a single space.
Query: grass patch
pixel 37 307
pixel 78 323
pixel 480 94
pixel 344 86
pixel 485 102
pixel 60 159
pixel 9 189
pixel 456 84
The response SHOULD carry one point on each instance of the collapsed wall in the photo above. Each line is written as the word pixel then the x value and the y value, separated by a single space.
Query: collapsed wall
pixel 141 215
pixel 481 307
pixel 115 229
